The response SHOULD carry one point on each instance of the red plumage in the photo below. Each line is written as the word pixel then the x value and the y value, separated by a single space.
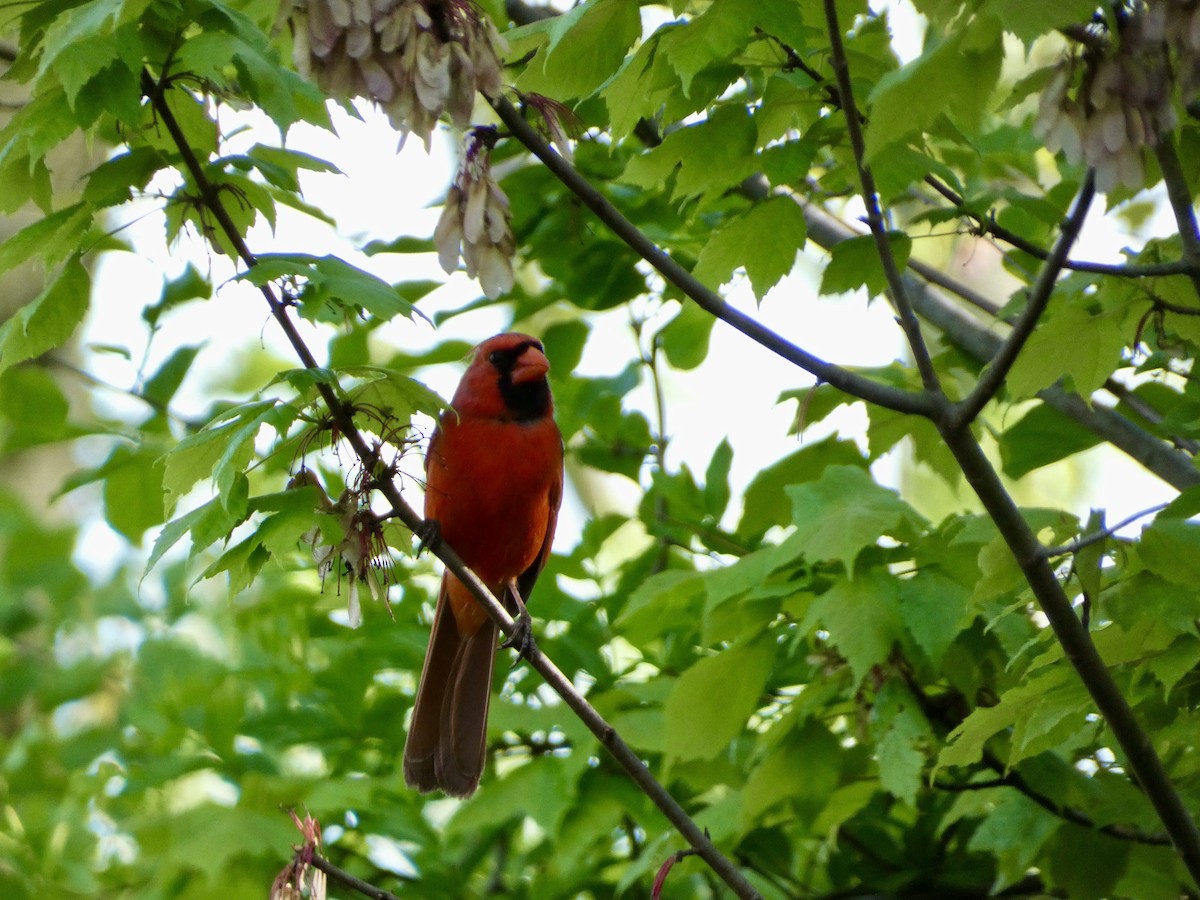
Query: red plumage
pixel 493 485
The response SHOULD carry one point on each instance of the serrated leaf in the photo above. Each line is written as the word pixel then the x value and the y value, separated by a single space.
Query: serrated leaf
pixel 935 609
pixel 332 280
pixel 710 156
pixel 842 513
pixel 766 502
pixel 954 76
pixel 49 319
pixel 964 745
pixel 765 241
pixel 1171 549
pixel 862 619
pixel 697 728
pixel 586 46
pixel 51 239
pixel 854 263
pixel 1041 437
pixel 1072 343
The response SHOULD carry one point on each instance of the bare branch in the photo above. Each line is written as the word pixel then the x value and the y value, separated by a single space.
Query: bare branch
pixel 1142 759
pixel 709 300
pixel 1104 534
pixel 1002 362
pixel 344 878
pixel 1180 195
pixel 978 338
pixel 904 310
pixel 988 225
pixel 342 414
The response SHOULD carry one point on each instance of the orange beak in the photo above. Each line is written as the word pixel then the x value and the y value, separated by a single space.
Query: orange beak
pixel 531 365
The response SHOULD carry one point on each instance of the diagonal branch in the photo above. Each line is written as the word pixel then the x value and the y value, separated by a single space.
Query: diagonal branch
pixel 1142 759
pixel 708 299
pixel 343 415
pixel 988 225
pixel 977 339
pixel 997 370
pixel 1180 196
pixel 353 882
pixel 870 196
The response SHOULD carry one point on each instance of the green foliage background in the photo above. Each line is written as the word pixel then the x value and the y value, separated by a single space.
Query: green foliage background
pixel 852 698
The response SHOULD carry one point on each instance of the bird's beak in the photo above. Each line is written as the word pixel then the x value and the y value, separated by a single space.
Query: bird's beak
pixel 531 365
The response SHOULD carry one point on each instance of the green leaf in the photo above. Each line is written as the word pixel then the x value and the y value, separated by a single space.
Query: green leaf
pixel 842 513
pixel 765 241
pixel 162 385
pixel 862 618
pixel 1031 19
pixel 1042 436
pixel 34 407
pixel 964 745
pixel 954 77
pixel 116 180
pixel 133 491
pixel 191 285
pixel 1013 831
pixel 716 479
pixel 586 46
pixel 805 789
pixel 1075 343
pixel 766 502
pixel 51 239
pixel 1171 548
pixel 332 280
pixel 49 319
pixel 709 157
pixel 935 609
pixel 698 728
pixel 901 731
pixel 221 450
pixel 685 337
pixel 854 263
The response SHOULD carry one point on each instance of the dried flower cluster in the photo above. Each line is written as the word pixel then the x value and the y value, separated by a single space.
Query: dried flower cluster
pixel 476 222
pixel 1121 105
pixel 1106 106
pixel 300 879
pixel 418 59
pixel 361 555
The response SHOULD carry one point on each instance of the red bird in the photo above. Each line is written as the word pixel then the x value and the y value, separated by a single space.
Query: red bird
pixel 494 475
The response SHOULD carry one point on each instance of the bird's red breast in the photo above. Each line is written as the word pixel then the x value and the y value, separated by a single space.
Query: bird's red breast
pixel 494 470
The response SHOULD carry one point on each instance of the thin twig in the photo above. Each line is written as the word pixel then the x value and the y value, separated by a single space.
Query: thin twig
pixel 979 340
pixel 1104 534
pixel 844 380
pixel 997 370
pixel 344 878
pixel 1142 759
pixel 1180 196
pixel 870 196
pixel 989 225
pixel 342 414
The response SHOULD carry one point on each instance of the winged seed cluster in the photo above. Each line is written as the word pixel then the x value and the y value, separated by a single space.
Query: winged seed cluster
pixel 1123 101
pixel 476 221
pixel 418 59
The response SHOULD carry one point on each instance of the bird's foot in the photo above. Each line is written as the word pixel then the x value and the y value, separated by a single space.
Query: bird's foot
pixel 521 638
pixel 429 532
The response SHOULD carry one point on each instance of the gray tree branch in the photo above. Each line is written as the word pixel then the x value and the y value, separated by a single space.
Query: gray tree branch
pixel 368 456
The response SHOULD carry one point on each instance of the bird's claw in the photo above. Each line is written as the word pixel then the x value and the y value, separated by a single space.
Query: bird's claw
pixel 521 638
pixel 429 532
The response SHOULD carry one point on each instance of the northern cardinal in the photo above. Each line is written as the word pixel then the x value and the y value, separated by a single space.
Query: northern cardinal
pixel 494 475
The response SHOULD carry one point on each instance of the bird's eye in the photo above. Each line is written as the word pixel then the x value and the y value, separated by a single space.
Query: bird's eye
pixel 495 358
